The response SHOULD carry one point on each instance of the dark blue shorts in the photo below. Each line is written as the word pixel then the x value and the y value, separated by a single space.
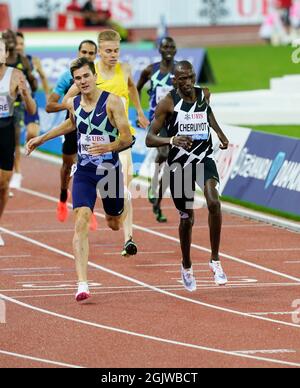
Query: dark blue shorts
pixel 109 184
pixel 29 119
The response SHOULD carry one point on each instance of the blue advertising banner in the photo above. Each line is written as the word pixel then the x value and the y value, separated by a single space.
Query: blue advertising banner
pixel 55 61
pixel 267 173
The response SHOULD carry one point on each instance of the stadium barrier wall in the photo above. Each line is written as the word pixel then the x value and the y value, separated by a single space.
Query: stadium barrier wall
pixel 267 173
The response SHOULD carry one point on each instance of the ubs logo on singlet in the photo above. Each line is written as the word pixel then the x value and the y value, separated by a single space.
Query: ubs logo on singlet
pixel 195 116
pixel 88 140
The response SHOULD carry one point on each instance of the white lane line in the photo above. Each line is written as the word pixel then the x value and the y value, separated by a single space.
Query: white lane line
pixel 142 253
pixel 173 287
pixel 177 288
pixel 267 351
pixel 38 275
pixel 132 280
pixel 49 281
pixel 275 250
pixel 15 257
pixel 170 238
pixel 148 337
pixel 275 313
pixel 167 265
pixel 292 262
pixel 195 271
pixel 27 269
pixel 42 360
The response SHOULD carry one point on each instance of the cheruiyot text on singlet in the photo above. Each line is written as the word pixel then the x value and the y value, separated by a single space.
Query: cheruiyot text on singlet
pixel 94 127
pixel 191 119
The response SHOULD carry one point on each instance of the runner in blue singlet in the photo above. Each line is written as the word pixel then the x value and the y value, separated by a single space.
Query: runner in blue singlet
pixel 161 76
pixel 102 131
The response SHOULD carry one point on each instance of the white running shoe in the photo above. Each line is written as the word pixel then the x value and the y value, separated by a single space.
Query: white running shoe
pixel 16 181
pixel 219 274
pixel 188 279
pixel 2 244
pixel 83 292
pixel 11 194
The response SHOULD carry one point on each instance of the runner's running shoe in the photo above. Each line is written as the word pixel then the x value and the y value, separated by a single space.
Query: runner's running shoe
pixel 2 244
pixel 16 181
pixel 130 249
pixel 159 215
pixel 62 211
pixel 83 292
pixel 93 223
pixel 188 279
pixel 151 196
pixel 219 274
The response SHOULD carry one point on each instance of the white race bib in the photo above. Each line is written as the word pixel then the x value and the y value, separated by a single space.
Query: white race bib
pixel 193 124
pixel 162 92
pixel 87 140
pixel 4 107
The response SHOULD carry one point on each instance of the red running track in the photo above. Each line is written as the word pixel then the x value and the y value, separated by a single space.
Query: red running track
pixel 139 315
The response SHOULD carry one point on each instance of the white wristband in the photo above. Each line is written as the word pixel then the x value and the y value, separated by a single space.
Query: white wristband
pixel 172 140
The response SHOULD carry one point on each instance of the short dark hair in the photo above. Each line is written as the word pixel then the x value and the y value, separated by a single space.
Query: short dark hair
pixel 92 43
pixel 183 65
pixel 20 34
pixel 168 39
pixel 81 62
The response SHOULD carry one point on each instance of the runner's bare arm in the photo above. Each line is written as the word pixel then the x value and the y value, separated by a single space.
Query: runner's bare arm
pixel 215 126
pixel 39 68
pixel 20 85
pixel 144 78
pixel 73 92
pixel 135 98
pixel 207 95
pixel 31 79
pixel 162 112
pixel 53 104
pixel 117 116
pixel 63 129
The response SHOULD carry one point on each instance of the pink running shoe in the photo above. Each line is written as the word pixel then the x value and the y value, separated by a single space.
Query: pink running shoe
pixel 62 211
pixel 93 223
pixel 83 292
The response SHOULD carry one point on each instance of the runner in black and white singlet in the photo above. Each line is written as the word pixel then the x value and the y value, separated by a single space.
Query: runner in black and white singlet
pixel 160 75
pixel 12 83
pixel 102 131
pixel 189 120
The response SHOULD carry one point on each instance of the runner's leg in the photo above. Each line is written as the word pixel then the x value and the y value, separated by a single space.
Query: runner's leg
pixel 81 242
